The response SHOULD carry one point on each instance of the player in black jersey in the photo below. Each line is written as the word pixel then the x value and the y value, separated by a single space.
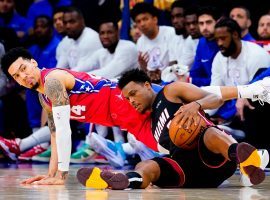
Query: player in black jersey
pixel 213 161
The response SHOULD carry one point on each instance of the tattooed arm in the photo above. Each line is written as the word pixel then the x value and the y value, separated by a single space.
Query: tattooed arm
pixel 55 90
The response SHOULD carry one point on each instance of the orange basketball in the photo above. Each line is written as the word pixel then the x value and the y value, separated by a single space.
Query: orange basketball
pixel 187 138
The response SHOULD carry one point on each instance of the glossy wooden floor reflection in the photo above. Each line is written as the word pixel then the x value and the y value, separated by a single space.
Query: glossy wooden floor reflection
pixel 11 175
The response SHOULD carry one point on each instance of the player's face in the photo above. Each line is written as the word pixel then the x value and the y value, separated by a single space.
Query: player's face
pixel 25 72
pixel 264 27
pixel 207 25
pixel 135 33
pixel 191 25
pixel 177 18
pixel 108 35
pixel 146 23
pixel 139 95
pixel 225 41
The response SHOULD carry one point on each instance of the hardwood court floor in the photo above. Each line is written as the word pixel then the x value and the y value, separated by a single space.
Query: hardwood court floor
pixel 11 175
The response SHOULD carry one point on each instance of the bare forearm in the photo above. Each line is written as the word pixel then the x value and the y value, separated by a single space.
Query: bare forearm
pixel 53 160
pixel 211 101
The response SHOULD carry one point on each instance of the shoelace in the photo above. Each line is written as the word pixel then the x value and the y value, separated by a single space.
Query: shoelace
pixel 262 98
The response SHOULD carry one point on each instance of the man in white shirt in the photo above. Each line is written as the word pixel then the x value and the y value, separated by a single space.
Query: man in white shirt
pixel 153 45
pixel 80 42
pixel 193 32
pixel 117 56
pixel 238 62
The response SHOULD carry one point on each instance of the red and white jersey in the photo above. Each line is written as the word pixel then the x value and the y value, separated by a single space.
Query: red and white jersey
pixel 99 100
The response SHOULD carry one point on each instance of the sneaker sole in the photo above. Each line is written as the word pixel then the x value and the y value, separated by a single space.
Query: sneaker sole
pixel 250 163
pixel 6 151
pixel 95 178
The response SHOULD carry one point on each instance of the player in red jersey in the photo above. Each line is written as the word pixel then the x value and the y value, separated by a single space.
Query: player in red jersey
pixel 66 94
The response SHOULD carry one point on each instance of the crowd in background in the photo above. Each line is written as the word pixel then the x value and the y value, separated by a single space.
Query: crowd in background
pixel 200 42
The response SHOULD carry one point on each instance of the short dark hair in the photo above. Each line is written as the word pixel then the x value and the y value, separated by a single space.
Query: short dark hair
pixel 136 75
pixel 71 9
pixel 244 8
pixel 60 9
pixel 230 24
pixel 104 21
pixel 11 56
pixel 191 10
pixel 49 20
pixel 209 10
pixel 143 7
pixel 179 4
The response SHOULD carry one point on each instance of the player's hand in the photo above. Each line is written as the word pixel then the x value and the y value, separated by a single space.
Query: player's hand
pixel 155 76
pixel 143 59
pixel 240 105
pixel 50 181
pixel 33 179
pixel 187 114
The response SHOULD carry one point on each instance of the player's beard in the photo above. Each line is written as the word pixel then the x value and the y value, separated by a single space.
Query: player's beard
pixel 230 50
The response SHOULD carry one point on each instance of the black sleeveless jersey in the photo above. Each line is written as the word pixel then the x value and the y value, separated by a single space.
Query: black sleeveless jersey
pixel 162 113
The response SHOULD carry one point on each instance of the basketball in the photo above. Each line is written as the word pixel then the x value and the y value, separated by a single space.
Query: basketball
pixel 187 138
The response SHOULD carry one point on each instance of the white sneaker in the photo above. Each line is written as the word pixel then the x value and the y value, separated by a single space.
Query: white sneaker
pixel 143 151
pixel 262 89
pixel 112 151
pixel 264 155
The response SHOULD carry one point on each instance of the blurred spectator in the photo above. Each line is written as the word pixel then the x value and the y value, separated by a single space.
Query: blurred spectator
pixel 177 19
pixel 79 44
pixel 44 7
pixel 153 45
pixel 242 15
pixel 264 32
pixel 207 48
pixel 193 32
pixel 135 32
pixel 9 18
pixel 237 62
pixel 264 27
pixel 58 24
pixel 117 56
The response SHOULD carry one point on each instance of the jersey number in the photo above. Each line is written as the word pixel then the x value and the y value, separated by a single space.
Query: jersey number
pixel 78 109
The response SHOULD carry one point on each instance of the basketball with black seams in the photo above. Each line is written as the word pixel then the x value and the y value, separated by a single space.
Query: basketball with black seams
pixel 187 138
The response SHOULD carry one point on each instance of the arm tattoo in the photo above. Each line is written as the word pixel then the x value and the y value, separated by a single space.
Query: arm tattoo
pixel 50 115
pixel 51 122
pixel 56 92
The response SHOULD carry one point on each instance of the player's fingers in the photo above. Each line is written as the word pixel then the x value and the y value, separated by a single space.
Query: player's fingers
pixel 189 121
pixel 183 121
pixel 250 106
pixel 32 179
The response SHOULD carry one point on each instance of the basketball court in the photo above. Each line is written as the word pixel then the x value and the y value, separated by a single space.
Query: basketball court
pixel 12 174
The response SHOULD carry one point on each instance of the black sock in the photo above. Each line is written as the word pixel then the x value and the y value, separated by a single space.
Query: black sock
pixel 135 180
pixel 232 152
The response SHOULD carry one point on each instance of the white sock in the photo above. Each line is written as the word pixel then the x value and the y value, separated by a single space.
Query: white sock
pixel 245 91
pixel 118 134
pixel 40 136
pixel 128 149
pixel 212 89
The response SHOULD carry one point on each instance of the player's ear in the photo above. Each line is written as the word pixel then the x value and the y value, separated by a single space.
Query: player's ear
pixel 147 84
pixel 34 62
